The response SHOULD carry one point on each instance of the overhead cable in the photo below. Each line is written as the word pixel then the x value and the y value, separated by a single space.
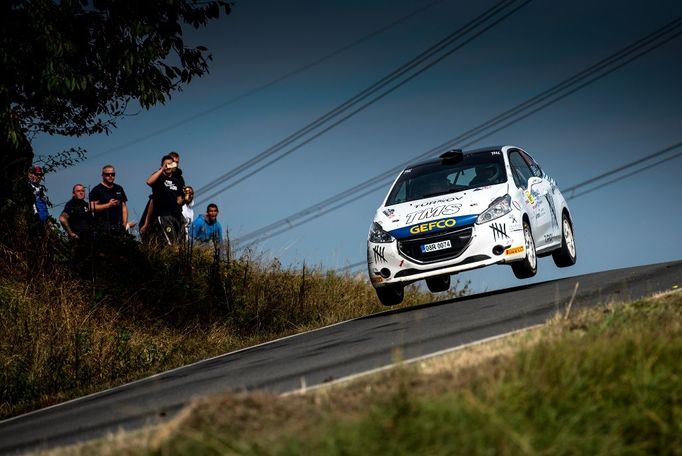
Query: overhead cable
pixel 519 112
pixel 271 83
pixel 443 46
pixel 590 181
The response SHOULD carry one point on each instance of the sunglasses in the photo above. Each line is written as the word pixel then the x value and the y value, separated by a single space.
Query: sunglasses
pixel 108 174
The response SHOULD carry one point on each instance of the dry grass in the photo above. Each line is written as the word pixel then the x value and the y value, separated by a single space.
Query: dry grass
pixel 601 381
pixel 72 324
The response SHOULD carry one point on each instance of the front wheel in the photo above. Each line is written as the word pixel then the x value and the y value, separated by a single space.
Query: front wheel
pixel 565 255
pixel 390 295
pixel 438 283
pixel 528 267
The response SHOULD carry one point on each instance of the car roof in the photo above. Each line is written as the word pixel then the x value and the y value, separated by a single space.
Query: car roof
pixel 465 152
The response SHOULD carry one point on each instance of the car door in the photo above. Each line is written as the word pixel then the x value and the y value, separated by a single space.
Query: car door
pixel 551 195
pixel 535 190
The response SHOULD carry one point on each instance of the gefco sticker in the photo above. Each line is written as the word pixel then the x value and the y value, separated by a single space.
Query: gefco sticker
pixel 436 225
pixel 433 226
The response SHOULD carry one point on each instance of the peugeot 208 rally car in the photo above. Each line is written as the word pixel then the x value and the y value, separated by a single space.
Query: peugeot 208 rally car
pixel 463 211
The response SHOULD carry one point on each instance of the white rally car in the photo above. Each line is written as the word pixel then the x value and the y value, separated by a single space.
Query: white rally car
pixel 463 211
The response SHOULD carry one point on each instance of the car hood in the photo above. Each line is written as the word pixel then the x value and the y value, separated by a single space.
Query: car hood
pixel 429 215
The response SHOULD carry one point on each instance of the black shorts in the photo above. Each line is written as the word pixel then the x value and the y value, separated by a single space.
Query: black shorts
pixel 170 228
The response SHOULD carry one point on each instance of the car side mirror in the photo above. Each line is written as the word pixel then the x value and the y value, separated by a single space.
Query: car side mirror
pixel 534 181
pixel 538 185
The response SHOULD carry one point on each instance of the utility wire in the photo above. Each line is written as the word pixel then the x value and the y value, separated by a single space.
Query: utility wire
pixel 441 46
pixel 618 179
pixel 338 109
pixel 658 153
pixel 267 85
pixel 639 48
pixel 592 180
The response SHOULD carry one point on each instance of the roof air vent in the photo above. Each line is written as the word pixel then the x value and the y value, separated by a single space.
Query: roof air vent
pixel 453 155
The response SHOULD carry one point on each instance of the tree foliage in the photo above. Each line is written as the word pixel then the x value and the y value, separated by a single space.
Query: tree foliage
pixel 71 67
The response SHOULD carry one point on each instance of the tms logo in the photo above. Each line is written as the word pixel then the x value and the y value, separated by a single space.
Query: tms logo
pixel 431 226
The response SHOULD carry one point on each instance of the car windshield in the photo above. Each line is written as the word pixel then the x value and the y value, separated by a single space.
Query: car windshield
pixel 433 179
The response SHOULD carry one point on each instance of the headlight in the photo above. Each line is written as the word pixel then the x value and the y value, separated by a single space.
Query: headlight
pixel 378 234
pixel 499 207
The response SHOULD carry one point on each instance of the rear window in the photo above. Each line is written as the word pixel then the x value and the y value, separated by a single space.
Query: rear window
pixel 424 181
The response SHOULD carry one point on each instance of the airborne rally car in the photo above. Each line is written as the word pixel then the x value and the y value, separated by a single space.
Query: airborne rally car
pixel 463 211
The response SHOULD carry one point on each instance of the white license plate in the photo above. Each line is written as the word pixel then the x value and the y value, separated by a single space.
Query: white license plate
pixel 426 248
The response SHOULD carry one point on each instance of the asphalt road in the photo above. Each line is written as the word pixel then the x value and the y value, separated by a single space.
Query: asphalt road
pixel 328 353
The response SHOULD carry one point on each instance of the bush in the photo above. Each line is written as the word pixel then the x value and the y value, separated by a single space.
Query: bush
pixel 78 320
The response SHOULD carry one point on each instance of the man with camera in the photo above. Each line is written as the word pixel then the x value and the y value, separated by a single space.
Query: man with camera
pixel 167 201
pixel 108 203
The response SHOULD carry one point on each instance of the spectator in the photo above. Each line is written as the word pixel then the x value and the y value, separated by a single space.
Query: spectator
pixel 207 227
pixel 188 210
pixel 40 201
pixel 167 200
pixel 108 203
pixel 146 221
pixel 76 217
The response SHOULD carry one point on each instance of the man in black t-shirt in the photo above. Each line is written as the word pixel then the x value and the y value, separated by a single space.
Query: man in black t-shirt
pixel 76 217
pixel 167 200
pixel 147 219
pixel 108 203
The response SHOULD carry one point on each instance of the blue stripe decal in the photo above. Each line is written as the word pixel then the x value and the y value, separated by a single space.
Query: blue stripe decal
pixel 434 226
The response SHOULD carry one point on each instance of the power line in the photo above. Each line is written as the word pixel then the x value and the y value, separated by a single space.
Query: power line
pixel 638 48
pixel 658 153
pixel 618 179
pixel 345 105
pixel 441 46
pixel 592 180
pixel 269 84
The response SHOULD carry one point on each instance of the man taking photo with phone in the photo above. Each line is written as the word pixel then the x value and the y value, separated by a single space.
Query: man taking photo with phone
pixel 167 201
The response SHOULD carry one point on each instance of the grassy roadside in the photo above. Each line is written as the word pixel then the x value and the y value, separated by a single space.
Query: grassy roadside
pixel 603 381
pixel 74 323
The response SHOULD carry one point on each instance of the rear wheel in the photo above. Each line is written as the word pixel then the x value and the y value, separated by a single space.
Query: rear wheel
pixel 390 295
pixel 438 283
pixel 529 266
pixel 565 255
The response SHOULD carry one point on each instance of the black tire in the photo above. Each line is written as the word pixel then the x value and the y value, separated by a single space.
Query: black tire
pixel 567 254
pixel 528 267
pixel 390 295
pixel 438 283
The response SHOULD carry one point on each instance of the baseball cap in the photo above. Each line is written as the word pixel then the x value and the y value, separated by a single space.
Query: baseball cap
pixel 37 170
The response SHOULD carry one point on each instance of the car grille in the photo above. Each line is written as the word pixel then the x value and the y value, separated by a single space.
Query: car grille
pixel 459 239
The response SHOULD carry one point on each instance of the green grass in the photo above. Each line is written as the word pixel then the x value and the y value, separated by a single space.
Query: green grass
pixel 72 323
pixel 606 381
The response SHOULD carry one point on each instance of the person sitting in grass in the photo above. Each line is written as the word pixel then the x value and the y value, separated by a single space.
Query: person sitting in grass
pixel 206 227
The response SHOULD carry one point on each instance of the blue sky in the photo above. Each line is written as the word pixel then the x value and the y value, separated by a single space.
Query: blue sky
pixel 626 115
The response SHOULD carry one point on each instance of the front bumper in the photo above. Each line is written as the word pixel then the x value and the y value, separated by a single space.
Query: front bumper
pixel 473 246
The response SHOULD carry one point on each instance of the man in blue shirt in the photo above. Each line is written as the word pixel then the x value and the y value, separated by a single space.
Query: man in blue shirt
pixel 206 227
pixel 40 202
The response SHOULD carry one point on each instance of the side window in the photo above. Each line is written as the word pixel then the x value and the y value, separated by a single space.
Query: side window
pixel 535 168
pixel 401 196
pixel 522 172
